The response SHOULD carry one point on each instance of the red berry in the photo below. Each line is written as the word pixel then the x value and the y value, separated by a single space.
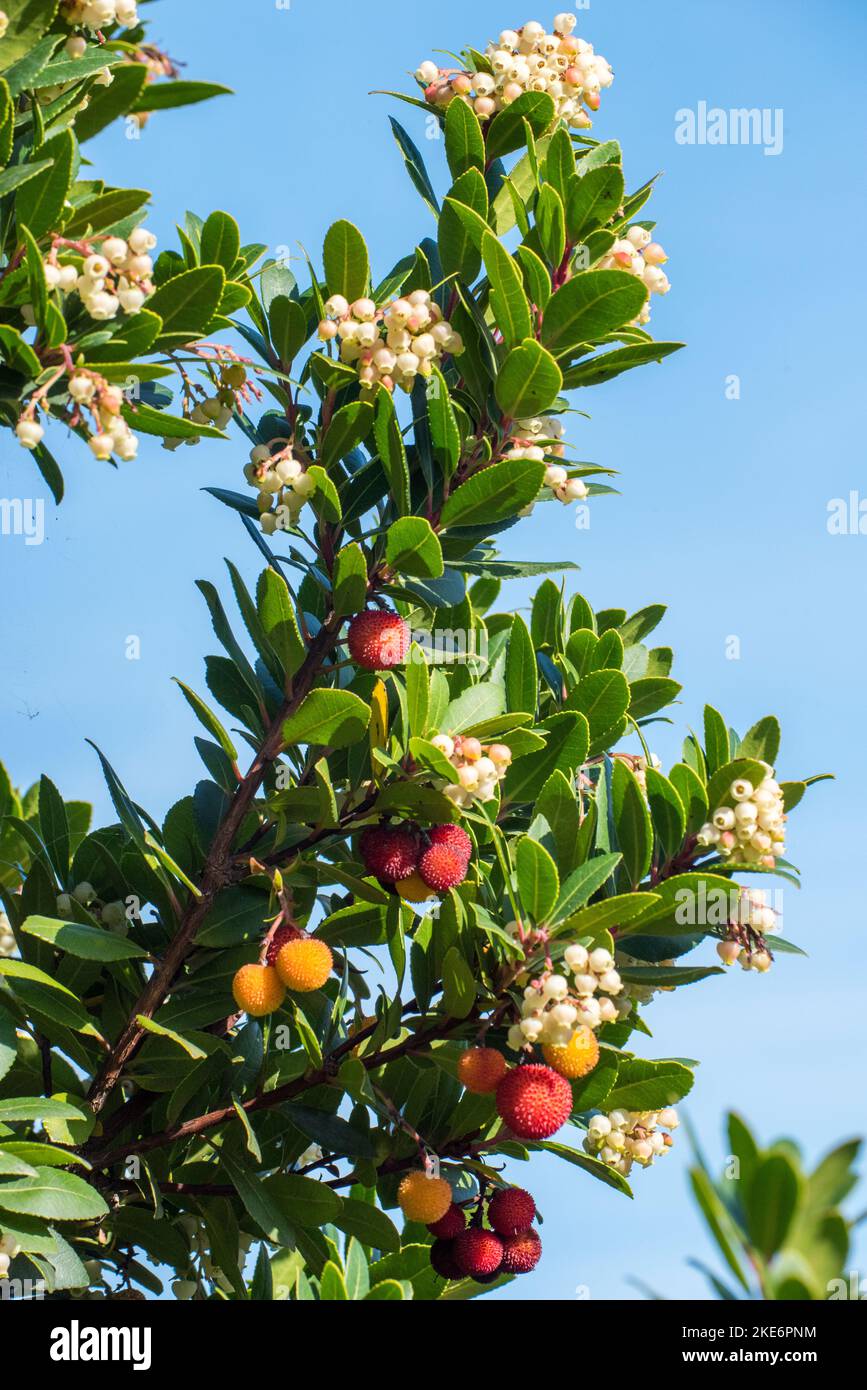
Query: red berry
pixel 378 641
pixel 521 1252
pixel 511 1210
pixel 534 1101
pixel 442 1258
pixel 442 868
pixel 390 852
pixel 450 1225
pixel 452 837
pixel 478 1252
pixel 278 940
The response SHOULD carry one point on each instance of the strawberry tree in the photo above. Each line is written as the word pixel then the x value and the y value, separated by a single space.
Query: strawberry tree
pixel 279 1041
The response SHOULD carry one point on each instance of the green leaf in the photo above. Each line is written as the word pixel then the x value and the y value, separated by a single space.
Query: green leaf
pixel 209 721
pixel 418 697
pixel 603 698
pixel 106 210
pixel 565 750
pixel 304 1201
pixel 667 812
pixel 368 1224
pixel 762 741
pixel 106 104
pixel 721 1226
pixel 538 880
pixel 144 419
pixel 465 143
pixel 459 986
pixel 18 355
pixel 583 882
pixel 326 499
pixel 442 422
pixel 716 739
pixel 594 1166
pixel 414 165
pixel 494 494
pixel 332 1284
pixel 590 306
pixel 463 226
pixel 605 366
pixel 350 580
pixel 507 298
pixel 389 442
pixel 88 943
pixel 771 1202
pixel 347 267
pixel 163 96
pixel 221 241
pixel 632 823
pixel 53 1195
pixel 150 1025
pixel 551 224
pixel 593 200
pixel 277 615
pixel 507 132
pixel 646 1085
pixel 36 1108
pixel 287 328
pixel 349 426
pixel 264 1210
pixel 529 381
pixel 412 547
pixel 334 718
pixel 187 303
pixel 40 201
pixel 522 675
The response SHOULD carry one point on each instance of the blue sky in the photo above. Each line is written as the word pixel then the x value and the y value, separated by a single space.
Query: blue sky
pixel 723 513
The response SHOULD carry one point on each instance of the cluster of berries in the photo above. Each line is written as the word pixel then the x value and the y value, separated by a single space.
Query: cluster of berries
pixel 630 1136
pixel 493 1234
pixel 480 767
pixel 639 255
pixel 93 400
pixel 219 408
pixel 745 938
pixel 292 961
pixel 394 345
pixel 527 60
pixel 100 14
pixel 553 1006
pixel 539 439
pixel 112 915
pixel 749 828
pixel 533 1100
pixel 282 483
pixel 8 944
pixel 115 277
pixel 417 863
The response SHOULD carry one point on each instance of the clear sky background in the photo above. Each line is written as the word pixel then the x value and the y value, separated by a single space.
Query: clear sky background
pixel 723 515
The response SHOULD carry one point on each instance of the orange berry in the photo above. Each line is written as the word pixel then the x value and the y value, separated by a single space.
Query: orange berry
pixel 481 1069
pixel 257 990
pixel 414 889
pixel 422 1198
pixel 305 964
pixel 577 1058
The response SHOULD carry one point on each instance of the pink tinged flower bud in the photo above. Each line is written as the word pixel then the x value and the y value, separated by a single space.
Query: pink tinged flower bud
pixel 727 841
pixel 484 107
pixel 102 446
pixel 512 91
pixel 462 84
pixel 623 259
pixel 728 952
pixel 654 254
pixel 365 310
pixel 337 307
pixel 327 330
pixel 594 100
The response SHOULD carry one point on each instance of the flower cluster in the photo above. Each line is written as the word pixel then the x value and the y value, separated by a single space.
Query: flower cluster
pixel 283 485
pixel 479 767
pixel 630 1136
pixel 540 439
pixel 749 827
pixel 745 938
pixel 112 915
pixel 100 14
pixel 554 1007
pixel 394 345
pixel 114 278
pixel 93 399
pixel 527 60
pixel 639 255
pixel 229 389
pixel 8 945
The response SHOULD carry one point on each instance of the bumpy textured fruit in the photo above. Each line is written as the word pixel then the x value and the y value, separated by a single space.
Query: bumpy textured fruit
pixel 414 889
pixel 578 1057
pixel 442 1258
pixel 478 1253
pixel 511 1210
pixel 258 990
pixel 278 941
pixel 481 1069
pixel 378 641
pixel 390 851
pixel 442 868
pixel 452 837
pixel 422 1198
pixel 521 1252
pixel 305 964
pixel 449 1225
pixel 534 1101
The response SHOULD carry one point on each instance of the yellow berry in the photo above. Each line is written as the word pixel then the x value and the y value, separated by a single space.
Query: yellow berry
pixel 481 1069
pixel 414 889
pixel 422 1198
pixel 257 990
pixel 577 1058
pixel 305 964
